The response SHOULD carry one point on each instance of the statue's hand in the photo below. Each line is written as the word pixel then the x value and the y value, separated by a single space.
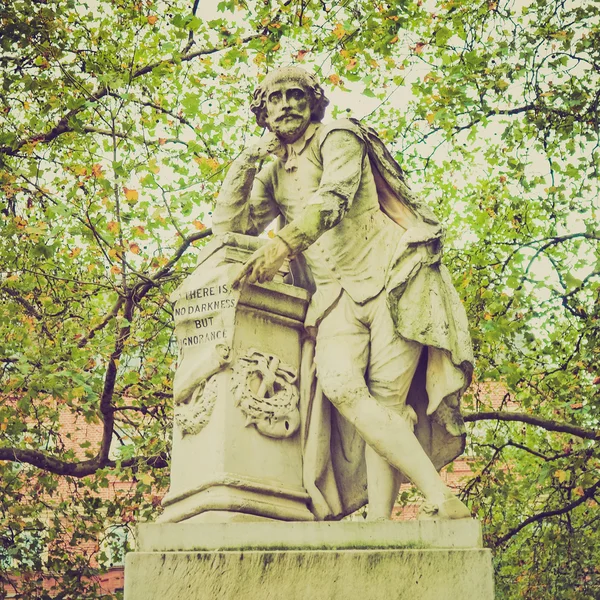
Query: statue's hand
pixel 263 264
pixel 268 144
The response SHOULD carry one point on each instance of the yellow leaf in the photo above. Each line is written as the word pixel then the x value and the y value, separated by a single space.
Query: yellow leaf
pixel 276 47
pixel 339 31
pixel 162 141
pixel 152 19
pixel 113 227
pixel 199 225
pixel 115 270
pixel 271 233
pixel 26 105
pixel 560 475
pixel 335 79
pixel 430 117
pixel 145 478
pixel 78 392
pixel 203 161
pixel 131 195
pixel 134 248
pixel 97 170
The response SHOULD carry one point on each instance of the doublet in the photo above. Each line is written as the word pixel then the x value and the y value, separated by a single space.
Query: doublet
pixel 331 172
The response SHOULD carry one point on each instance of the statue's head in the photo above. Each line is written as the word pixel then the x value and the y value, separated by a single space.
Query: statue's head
pixel 287 100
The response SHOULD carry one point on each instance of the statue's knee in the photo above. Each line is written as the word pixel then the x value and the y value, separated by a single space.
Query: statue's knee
pixel 343 390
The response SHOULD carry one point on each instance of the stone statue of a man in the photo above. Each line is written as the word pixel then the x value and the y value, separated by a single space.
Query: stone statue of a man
pixel 382 299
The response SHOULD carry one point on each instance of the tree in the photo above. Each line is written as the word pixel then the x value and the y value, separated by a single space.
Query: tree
pixel 119 119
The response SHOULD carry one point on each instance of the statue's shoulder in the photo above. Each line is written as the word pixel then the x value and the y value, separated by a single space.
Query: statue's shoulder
pixel 266 174
pixel 341 125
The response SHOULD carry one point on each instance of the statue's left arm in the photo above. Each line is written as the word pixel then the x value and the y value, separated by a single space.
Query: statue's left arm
pixel 343 155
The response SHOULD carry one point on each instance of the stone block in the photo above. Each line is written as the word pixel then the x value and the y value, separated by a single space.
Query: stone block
pixel 234 456
pixel 432 560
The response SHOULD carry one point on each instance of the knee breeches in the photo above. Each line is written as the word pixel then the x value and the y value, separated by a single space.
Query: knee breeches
pixel 358 352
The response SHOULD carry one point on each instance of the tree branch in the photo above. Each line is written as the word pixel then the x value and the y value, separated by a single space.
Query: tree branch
pixel 190 41
pixel 142 288
pixel 107 319
pixel 62 126
pixel 548 424
pixel 28 307
pixel 80 469
pixel 587 494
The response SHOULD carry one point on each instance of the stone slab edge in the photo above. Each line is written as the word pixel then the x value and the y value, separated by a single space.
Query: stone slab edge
pixel 182 537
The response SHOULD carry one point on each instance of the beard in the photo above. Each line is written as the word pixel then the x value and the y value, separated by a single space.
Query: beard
pixel 290 126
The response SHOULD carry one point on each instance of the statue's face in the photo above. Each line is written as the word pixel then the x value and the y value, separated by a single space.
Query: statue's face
pixel 288 110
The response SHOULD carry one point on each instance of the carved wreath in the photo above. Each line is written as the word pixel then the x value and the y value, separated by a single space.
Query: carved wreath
pixel 265 390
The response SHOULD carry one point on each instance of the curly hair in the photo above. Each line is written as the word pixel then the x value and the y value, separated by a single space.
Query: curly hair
pixel 318 100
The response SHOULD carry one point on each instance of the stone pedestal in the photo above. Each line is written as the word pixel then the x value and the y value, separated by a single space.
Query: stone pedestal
pixel 416 560
pixel 236 444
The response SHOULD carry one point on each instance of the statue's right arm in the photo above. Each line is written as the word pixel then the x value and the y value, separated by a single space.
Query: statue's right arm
pixel 245 203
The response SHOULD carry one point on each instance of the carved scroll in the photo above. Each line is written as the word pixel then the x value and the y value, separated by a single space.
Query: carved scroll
pixel 192 416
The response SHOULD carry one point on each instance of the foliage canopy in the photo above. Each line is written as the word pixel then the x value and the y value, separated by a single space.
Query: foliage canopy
pixel 118 121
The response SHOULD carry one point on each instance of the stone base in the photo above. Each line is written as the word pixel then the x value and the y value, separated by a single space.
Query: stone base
pixel 225 497
pixel 428 560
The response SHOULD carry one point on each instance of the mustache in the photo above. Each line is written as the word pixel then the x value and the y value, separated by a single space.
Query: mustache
pixel 287 115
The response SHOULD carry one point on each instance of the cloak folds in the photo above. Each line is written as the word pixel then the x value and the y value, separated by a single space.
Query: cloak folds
pixel 425 308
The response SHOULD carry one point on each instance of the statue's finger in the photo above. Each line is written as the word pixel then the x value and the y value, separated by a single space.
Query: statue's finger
pixel 265 276
pixel 238 280
pixel 255 275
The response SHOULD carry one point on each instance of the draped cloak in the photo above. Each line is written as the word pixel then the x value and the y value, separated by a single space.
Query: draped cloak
pixel 425 308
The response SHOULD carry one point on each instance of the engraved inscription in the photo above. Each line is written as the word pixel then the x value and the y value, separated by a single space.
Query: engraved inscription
pixel 197 314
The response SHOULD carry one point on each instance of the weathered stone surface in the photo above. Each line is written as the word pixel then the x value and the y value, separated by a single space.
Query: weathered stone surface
pixel 393 353
pixel 431 560
pixel 188 537
pixel 236 444
pixel 316 574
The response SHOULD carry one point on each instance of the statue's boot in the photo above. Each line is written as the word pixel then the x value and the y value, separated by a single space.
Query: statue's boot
pixel 392 437
pixel 451 508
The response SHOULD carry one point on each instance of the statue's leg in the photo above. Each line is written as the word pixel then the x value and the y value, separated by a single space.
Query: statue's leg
pixel 387 430
pixel 344 342
pixel 391 368
pixel 383 484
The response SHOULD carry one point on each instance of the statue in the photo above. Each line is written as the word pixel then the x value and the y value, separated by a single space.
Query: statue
pixel 389 334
